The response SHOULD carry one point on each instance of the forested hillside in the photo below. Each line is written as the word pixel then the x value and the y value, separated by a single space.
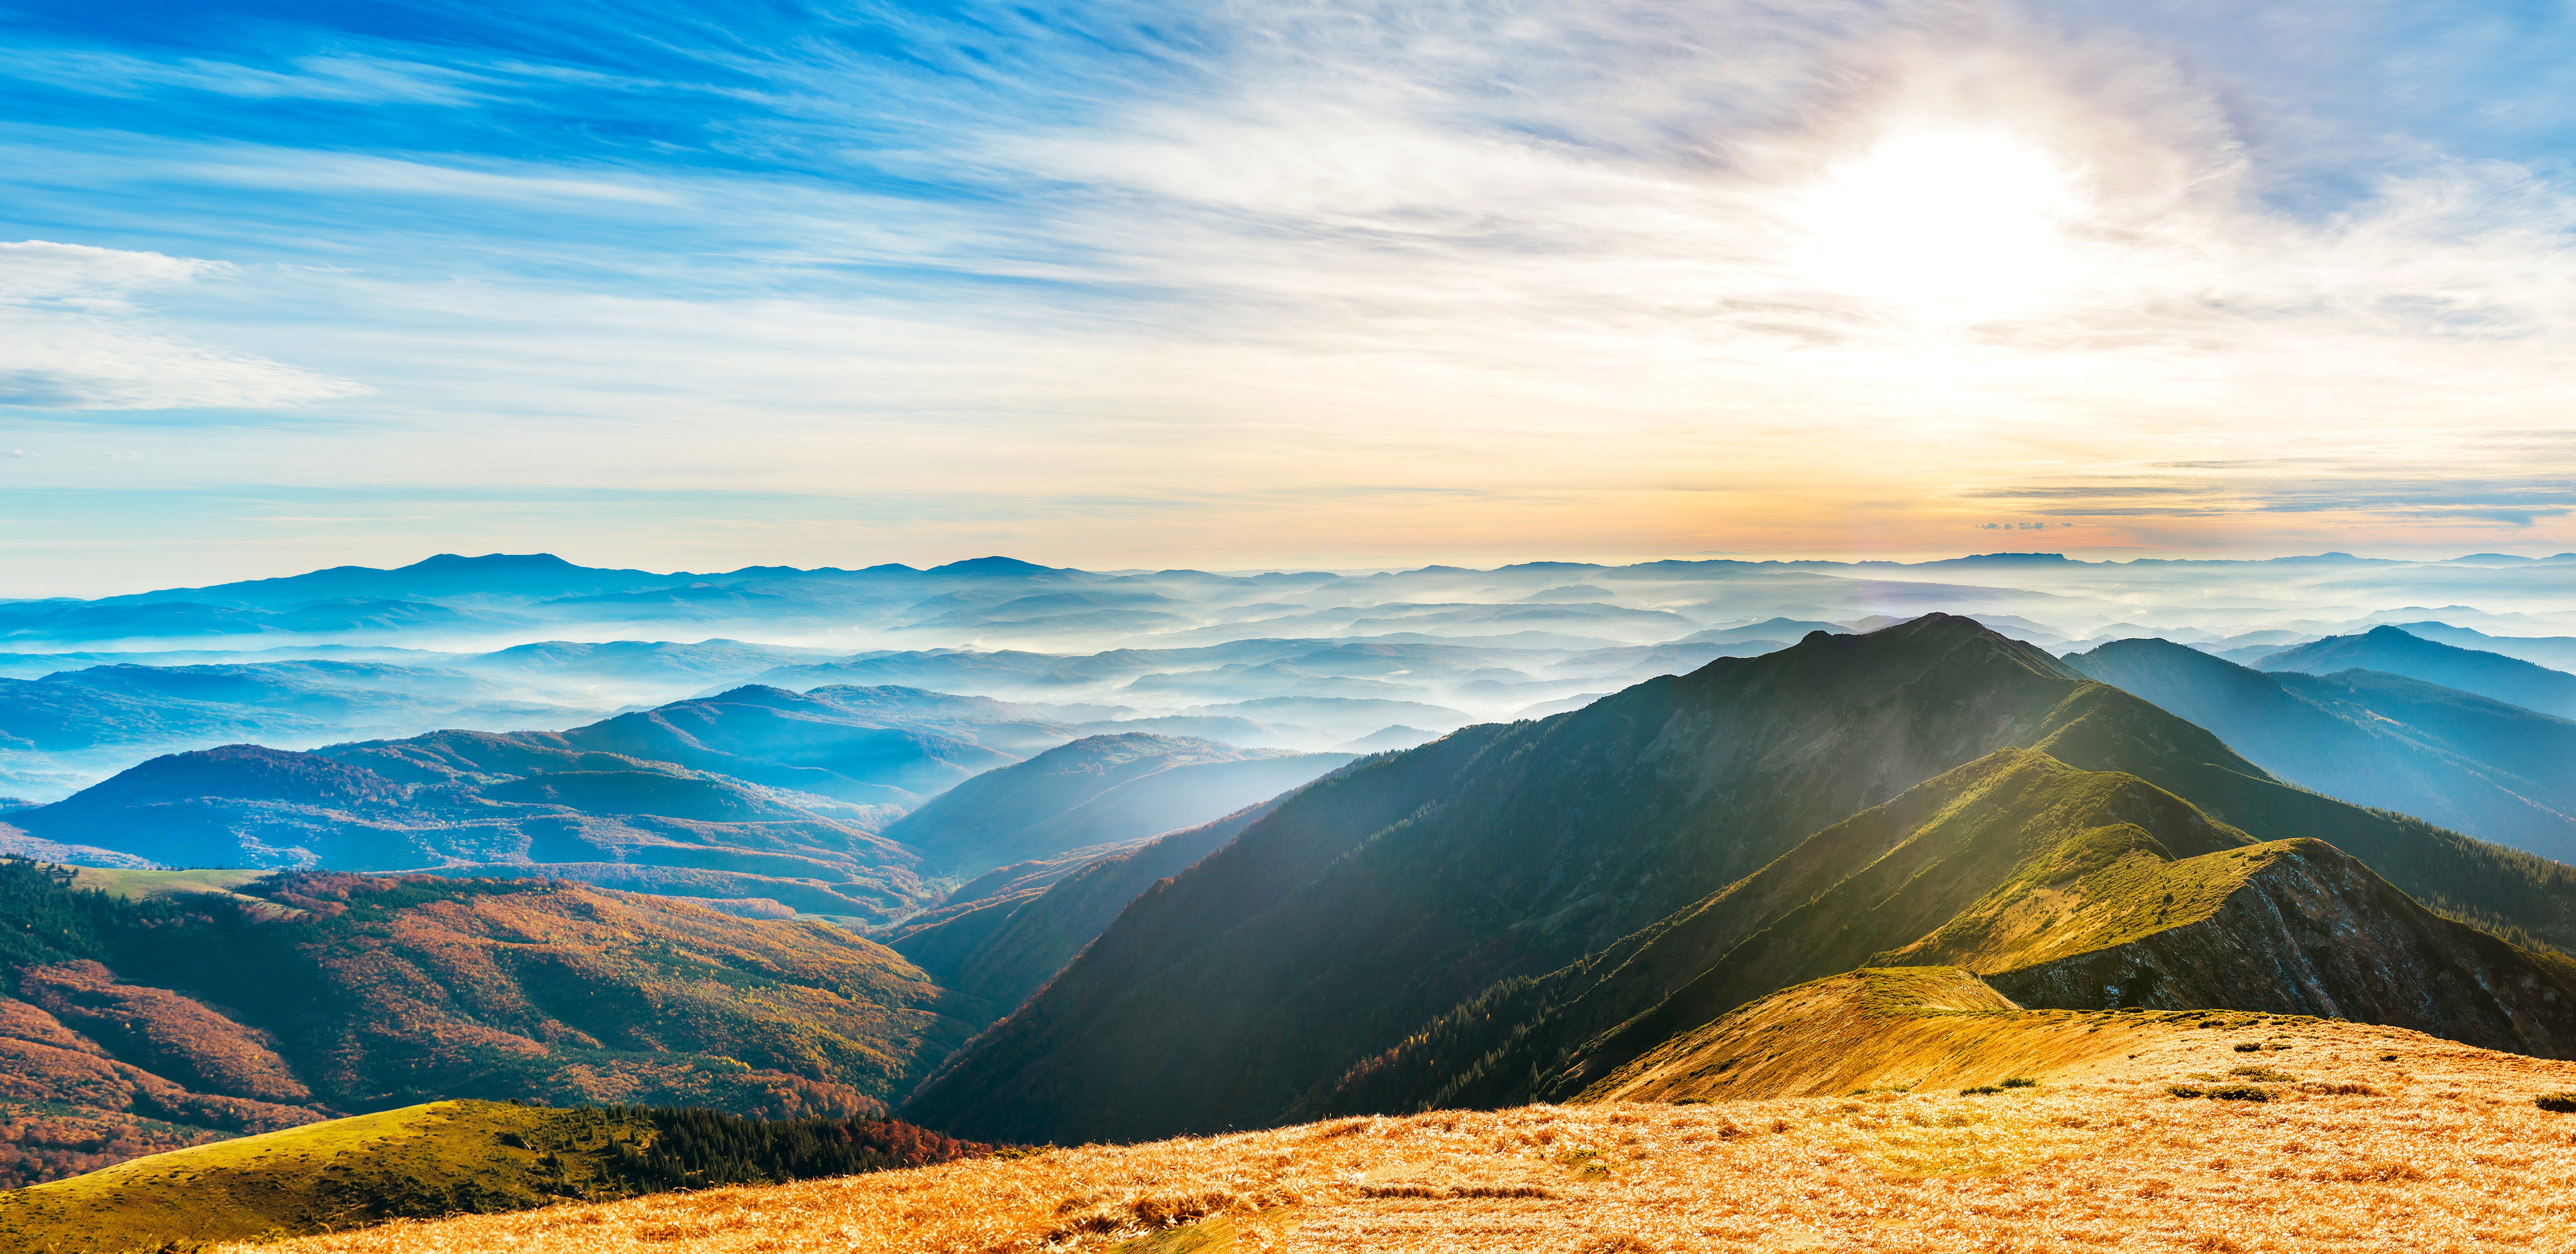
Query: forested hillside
pixel 178 1018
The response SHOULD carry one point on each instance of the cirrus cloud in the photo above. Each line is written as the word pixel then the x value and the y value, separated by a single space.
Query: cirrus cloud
pixel 71 337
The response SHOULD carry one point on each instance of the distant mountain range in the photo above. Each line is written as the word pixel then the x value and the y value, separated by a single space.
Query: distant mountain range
pixel 757 795
pixel 2399 652
pixel 2468 762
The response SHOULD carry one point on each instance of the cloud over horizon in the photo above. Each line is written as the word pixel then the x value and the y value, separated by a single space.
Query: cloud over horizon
pixel 1339 279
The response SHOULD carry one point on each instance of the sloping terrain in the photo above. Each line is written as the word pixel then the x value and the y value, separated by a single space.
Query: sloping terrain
pixel 436 1159
pixel 1095 791
pixel 2496 771
pixel 1000 948
pixel 2556 652
pixel 1896 1029
pixel 328 992
pixel 2368 1139
pixel 2082 889
pixel 2492 675
pixel 1382 897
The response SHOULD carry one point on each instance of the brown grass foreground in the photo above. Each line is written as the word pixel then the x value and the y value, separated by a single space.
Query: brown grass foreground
pixel 2436 1149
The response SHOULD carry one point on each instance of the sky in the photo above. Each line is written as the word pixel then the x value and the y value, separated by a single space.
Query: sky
pixel 1119 284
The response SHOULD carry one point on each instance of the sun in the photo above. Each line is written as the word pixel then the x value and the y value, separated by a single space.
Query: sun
pixel 1940 225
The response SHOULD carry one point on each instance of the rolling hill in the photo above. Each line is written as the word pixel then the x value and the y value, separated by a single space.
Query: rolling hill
pixel 477 803
pixel 705 797
pixel 812 743
pixel 185 1016
pixel 438 1159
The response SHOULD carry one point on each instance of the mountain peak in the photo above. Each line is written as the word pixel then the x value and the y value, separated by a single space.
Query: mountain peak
pixel 445 562
pixel 996 566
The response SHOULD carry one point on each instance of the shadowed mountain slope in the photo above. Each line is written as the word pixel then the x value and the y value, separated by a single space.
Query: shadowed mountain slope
pixel 1383 896
pixel 2071 888
pixel 2491 675
pixel 2496 771
pixel 1098 790
pixel 1000 949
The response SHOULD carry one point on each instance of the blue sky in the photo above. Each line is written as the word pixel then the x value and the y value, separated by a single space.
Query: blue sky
pixel 693 286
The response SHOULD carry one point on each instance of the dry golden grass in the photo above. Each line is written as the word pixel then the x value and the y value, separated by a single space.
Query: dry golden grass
pixel 2438 1150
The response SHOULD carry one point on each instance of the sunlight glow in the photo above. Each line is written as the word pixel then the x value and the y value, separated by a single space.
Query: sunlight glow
pixel 1943 225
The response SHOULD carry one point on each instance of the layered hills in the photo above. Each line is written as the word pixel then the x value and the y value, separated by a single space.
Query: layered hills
pixel 2398 652
pixel 1095 791
pixel 1364 909
pixel 2491 769
pixel 756 794
pixel 473 803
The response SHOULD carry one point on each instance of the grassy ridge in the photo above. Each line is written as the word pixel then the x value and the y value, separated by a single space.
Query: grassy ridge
pixel 2371 1139
pixel 441 1158
pixel 1884 1028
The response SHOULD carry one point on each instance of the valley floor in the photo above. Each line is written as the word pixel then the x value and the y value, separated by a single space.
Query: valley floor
pixel 2372 1139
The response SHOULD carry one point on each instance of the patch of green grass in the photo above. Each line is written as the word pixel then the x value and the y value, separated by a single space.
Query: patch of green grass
pixel 2261 1073
pixel 2562 1103
pixel 1208 1236
pixel 437 1159
pixel 1981 1090
pixel 2222 1092
pixel 134 885
pixel 2020 1082
pixel 420 1160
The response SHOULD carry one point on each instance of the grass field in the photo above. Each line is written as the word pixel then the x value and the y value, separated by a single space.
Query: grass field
pixel 2365 1139
pixel 432 1159
pixel 137 885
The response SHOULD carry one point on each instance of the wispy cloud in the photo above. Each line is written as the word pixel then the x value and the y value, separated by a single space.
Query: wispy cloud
pixel 1902 262
pixel 352 79
pixel 72 338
